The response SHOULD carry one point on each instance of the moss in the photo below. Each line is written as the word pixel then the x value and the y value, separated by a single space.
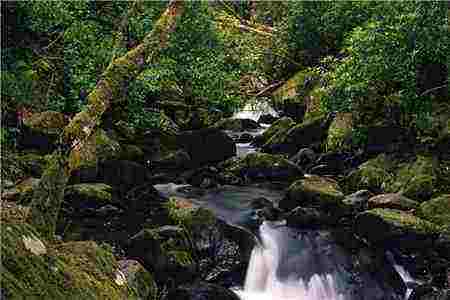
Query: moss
pixel 278 128
pixel 48 122
pixel 314 105
pixel 34 164
pixel 316 190
pixel 415 180
pixel 436 210
pixel 131 152
pixel 94 191
pixel 403 220
pixel 37 270
pixel 371 175
pixel 184 213
pixel 339 132
pixel 295 85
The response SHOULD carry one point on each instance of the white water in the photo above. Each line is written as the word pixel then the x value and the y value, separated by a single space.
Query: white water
pixel 406 277
pixel 253 110
pixel 262 283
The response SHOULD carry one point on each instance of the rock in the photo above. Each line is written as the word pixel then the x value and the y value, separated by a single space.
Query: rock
pixel 267 119
pixel 204 177
pixel 340 132
pixel 278 128
pixel 41 131
pixel 33 268
pixel 394 228
pixel 309 217
pixel 357 202
pixel 262 166
pixel 137 278
pixel 388 139
pixel 436 210
pixel 304 158
pixel 245 138
pixel 172 160
pixel 442 244
pixel 206 146
pixel 371 175
pixel 395 201
pixel 300 136
pixel 165 251
pixel 123 175
pixel 313 191
pixel 416 180
pixel 126 132
pixel 427 292
pixel 85 198
pixel 331 163
pixel 232 124
pixel 202 291
pixel 12 212
pixel 131 152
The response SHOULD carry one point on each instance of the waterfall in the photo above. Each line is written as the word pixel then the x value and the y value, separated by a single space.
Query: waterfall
pixel 263 283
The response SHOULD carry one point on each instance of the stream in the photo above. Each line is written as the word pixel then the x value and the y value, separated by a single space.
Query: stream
pixel 288 263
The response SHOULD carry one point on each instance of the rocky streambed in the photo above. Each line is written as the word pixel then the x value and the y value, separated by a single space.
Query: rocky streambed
pixel 177 215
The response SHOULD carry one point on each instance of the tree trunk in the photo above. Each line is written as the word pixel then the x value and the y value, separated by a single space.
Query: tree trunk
pixel 48 196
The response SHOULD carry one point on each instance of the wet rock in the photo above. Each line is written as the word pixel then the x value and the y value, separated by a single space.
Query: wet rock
pixel 206 146
pixel 304 135
pixel 307 217
pixel 136 278
pixel 427 292
pixel 202 291
pixel 262 166
pixel 131 152
pixel 313 191
pixel 172 160
pixel 278 128
pixel 267 119
pixel 85 198
pixel 245 138
pixel 393 200
pixel 232 124
pixel 357 202
pixel 304 158
pixel 442 243
pixel 394 228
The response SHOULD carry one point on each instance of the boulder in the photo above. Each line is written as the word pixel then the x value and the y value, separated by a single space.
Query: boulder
pixel 307 217
pixel 304 158
pixel 357 202
pixel 172 160
pixel 41 131
pixel 436 210
pixel 206 146
pixel 85 198
pixel 313 191
pixel 311 132
pixel 263 166
pixel 202 291
pixel 388 139
pixel 232 124
pixel 33 164
pixel 131 152
pixel 278 128
pixel 125 132
pixel 22 192
pixel 392 200
pixel 267 119
pixel 340 132
pixel 392 228
pixel 35 269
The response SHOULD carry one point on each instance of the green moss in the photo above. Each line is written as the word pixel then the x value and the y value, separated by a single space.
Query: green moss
pixel 33 269
pixel 403 220
pixel 278 128
pixel 131 152
pixel 48 122
pixel 99 192
pixel 316 190
pixel 295 85
pixel 314 106
pixel 436 210
pixel 340 130
pixel 184 213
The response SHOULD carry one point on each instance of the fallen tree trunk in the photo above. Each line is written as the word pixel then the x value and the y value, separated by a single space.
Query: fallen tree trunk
pixel 48 196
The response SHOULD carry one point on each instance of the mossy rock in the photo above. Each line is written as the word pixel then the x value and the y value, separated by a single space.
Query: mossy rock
pixel 33 164
pixel 339 132
pixel 138 279
pixel 300 83
pixel 436 210
pixel 47 122
pixel 131 152
pixel 188 215
pixel 371 175
pixel 395 228
pixel 12 212
pixel 278 128
pixel 22 192
pixel 125 131
pixel 393 200
pixel 12 169
pixel 417 180
pixel 314 105
pixel 265 166
pixel 233 124
pixel 35 269
pixel 95 192
pixel 313 191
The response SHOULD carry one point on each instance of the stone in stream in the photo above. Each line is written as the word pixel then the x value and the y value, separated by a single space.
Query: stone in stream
pixel 392 200
pixel 267 119
pixel 236 125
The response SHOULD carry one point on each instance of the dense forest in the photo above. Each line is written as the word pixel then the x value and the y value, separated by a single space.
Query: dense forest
pixel 279 150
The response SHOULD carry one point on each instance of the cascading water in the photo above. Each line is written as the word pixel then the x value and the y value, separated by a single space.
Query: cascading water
pixel 262 281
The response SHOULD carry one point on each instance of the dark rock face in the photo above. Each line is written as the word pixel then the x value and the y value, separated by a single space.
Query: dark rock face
pixel 245 138
pixel 388 139
pixel 202 291
pixel 267 119
pixel 33 139
pixel 307 217
pixel 232 124
pixel 304 158
pixel 427 292
pixel 206 146
pixel 357 202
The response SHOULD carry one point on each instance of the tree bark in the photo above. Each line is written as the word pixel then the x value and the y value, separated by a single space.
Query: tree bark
pixel 49 194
